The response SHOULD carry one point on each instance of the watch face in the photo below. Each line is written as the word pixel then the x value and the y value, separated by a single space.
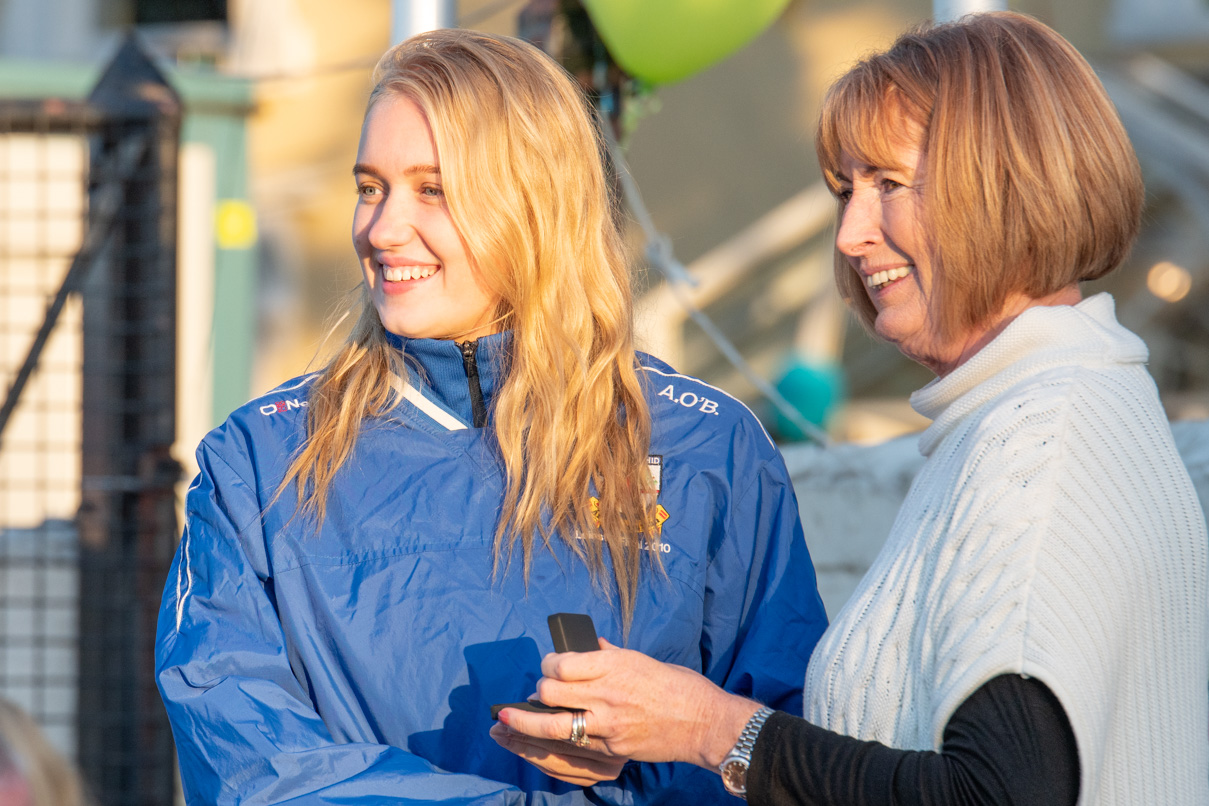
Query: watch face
pixel 734 776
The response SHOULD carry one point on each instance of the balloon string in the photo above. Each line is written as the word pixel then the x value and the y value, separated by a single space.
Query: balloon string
pixel 660 254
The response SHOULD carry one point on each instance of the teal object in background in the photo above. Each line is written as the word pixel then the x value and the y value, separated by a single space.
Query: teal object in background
pixel 814 388
pixel 662 41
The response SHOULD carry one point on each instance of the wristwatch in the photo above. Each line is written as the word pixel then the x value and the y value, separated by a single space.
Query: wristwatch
pixel 734 766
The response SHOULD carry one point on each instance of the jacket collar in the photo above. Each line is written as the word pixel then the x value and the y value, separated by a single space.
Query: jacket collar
pixel 438 371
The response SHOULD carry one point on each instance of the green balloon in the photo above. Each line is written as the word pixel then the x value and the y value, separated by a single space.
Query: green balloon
pixel 662 41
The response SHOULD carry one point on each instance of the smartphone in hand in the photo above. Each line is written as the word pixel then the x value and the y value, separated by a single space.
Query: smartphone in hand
pixel 570 632
pixel 573 632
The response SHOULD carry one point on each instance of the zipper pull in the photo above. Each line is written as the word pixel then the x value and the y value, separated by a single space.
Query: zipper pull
pixel 471 364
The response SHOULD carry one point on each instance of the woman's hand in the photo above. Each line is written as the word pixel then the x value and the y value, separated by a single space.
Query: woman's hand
pixel 635 707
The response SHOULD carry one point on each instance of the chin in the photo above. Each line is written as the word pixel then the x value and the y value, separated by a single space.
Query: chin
pixel 395 327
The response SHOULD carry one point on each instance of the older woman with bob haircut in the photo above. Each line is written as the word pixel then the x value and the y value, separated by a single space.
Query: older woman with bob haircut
pixel 372 551
pixel 1035 628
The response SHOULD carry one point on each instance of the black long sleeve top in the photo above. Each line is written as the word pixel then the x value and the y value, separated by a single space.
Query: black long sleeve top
pixel 1009 743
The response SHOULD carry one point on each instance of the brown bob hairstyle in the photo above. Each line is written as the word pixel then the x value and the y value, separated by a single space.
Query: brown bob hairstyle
pixel 1032 184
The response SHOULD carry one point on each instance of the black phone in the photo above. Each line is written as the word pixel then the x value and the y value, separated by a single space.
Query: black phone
pixel 570 632
pixel 536 706
pixel 573 632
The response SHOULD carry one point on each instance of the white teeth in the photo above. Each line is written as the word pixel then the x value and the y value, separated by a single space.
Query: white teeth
pixel 881 278
pixel 399 274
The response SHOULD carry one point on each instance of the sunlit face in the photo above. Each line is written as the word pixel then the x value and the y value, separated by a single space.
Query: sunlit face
pixel 882 235
pixel 415 263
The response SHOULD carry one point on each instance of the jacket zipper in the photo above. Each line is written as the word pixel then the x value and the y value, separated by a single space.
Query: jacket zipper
pixel 477 407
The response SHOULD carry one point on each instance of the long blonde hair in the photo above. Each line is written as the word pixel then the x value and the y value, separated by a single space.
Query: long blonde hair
pixel 522 172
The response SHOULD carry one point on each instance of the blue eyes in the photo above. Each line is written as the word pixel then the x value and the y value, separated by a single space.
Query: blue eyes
pixel 426 191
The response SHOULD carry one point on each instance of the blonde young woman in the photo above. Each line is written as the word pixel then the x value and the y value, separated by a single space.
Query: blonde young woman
pixel 1035 629
pixel 371 551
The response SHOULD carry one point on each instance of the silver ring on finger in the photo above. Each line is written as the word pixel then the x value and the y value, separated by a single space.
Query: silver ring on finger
pixel 579 730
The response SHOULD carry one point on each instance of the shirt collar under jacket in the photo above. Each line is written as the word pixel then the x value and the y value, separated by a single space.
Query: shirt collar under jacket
pixel 435 366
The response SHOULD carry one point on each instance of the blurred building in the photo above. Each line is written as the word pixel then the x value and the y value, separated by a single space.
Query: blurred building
pixel 275 91
pixel 724 160
pixel 76 571
pixel 735 207
pixel 56 49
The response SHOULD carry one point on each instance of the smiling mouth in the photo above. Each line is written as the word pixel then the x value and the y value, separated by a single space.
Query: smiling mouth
pixel 883 278
pixel 399 274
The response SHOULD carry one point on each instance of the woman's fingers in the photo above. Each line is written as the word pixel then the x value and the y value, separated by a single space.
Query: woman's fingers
pixel 582 766
pixel 573 695
pixel 580 666
pixel 552 727
pixel 590 680
pixel 595 751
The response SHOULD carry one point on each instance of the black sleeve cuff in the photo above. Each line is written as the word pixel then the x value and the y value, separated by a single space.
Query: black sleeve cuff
pixel 795 762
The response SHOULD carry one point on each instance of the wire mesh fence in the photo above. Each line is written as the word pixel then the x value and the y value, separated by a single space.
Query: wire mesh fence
pixel 87 362
pixel 43 195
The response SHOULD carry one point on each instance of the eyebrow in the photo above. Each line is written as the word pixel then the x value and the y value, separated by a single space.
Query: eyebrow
pixel 362 168
pixel 865 169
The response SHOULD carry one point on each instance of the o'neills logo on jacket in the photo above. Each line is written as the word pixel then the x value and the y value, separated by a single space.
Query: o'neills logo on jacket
pixel 282 406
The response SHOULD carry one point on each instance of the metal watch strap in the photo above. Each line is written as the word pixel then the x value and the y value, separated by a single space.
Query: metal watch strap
pixel 734 766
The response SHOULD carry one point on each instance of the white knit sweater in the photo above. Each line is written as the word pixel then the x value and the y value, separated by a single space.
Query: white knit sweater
pixel 1053 532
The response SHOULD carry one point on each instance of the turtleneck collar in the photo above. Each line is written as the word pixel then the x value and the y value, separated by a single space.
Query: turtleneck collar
pixel 437 368
pixel 1040 339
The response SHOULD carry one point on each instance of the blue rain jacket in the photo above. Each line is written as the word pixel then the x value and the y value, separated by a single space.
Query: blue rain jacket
pixel 357 664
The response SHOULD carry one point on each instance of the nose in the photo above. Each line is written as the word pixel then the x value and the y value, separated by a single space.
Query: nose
pixel 860 224
pixel 388 224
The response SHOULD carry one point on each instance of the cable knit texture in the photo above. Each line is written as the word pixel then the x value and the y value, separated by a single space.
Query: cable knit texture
pixel 1052 532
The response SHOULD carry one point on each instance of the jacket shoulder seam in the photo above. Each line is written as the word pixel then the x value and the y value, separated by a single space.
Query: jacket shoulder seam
pixel 722 392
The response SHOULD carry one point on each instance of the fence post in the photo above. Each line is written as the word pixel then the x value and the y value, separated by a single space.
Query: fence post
pixel 127 521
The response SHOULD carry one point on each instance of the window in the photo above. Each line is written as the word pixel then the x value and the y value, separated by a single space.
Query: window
pixel 157 11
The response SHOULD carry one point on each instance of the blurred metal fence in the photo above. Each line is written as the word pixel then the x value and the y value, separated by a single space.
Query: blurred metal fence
pixel 87 362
